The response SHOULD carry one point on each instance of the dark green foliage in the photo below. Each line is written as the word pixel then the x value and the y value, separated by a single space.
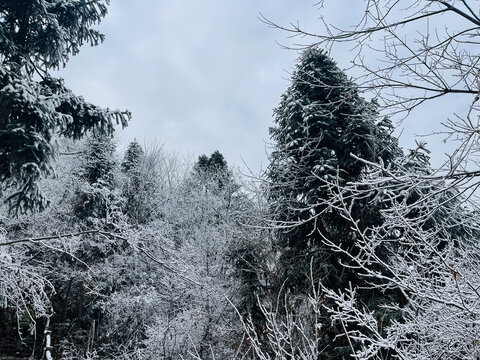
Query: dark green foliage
pixel 202 163
pixel 320 123
pixel 213 164
pixel 37 36
pixel 44 33
pixel 214 172
pixel 248 258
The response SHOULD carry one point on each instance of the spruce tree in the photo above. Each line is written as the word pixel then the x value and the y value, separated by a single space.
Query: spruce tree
pixel 133 156
pixel 37 36
pixel 320 123
pixel 97 197
pixel 140 185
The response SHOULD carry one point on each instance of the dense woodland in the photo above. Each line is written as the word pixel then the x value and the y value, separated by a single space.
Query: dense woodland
pixel 346 247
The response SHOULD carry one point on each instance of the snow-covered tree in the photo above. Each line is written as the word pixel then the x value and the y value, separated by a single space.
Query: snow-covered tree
pixel 320 123
pixel 426 242
pixel 323 127
pixel 98 196
pixel 430 234
pixel 37 36
pixel 143 187
pixel 133 156
pixel 200 223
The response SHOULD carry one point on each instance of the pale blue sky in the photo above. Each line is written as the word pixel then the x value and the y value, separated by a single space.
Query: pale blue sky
pixel 202 75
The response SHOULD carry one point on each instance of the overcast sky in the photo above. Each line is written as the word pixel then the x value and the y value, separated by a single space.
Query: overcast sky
pixel 200 76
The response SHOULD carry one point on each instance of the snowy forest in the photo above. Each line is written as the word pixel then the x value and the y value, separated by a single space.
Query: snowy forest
pixel 347 246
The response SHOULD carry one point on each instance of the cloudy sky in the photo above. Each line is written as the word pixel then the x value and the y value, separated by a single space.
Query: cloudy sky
pixel 201 75
pixel 197 75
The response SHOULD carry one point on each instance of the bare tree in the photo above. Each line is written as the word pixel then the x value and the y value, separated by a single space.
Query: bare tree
pixel 409 53
pixel 293 328
pixel 425 247
pixel 430 234
pixel 424 48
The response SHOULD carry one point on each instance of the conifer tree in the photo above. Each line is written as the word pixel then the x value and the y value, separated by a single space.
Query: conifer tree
pixel 97 195
pixel 214 172
pixel 322 128
pixel 140 184
pixel 321 122
pixel 38 36
pixel 96 204
pixel 209 165
pixel 133 156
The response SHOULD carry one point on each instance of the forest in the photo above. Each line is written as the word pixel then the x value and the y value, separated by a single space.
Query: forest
pixel 347 246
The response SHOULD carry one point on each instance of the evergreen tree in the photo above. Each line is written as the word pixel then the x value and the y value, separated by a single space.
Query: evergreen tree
pixel 248 258
pixel 214 171
pixel 37 36
pixel 212 165
pixel 97 197
pixel 320 123
pixel 133 156
pixel 96 205
pixel 141 184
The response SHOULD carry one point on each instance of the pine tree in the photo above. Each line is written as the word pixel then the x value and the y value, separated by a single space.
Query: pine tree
pixel 320 123
pixel 37 36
